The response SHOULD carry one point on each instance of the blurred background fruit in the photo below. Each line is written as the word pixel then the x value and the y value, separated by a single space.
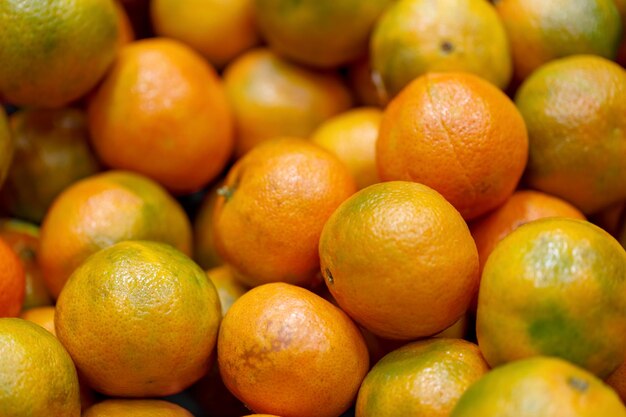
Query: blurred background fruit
pixel 55 51
pixel 272 97
pixel 414 37
pixel 12 282
pixel 43 316
pixel 52 151
pixel 227 286
pixel 162 112
pixel 136 408
pixel 7 147
pixel 204 249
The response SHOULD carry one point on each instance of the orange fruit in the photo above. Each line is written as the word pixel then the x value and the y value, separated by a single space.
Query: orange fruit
pixel 12 282
pixel 320 33
pixel 363 84
pixel 352 137
pixel 51 152
pixel 161 111
pixel 555 287
pixel 573 109
pixel 55 51
pixel 136 408
pixel 7 147
pixel 272 97
pixel 218 29
pixel 205 251
pixel 139 319
pixel 286 351
pixel 522 207
pixel 400 260
pixel 414 37
pixel 43 316
pixel 126 32
pixel 457 134
pixel 227 286
pixel 34 362
pixel 539 387
pixel 424 378
pixel 23 238
pixel 272 208
pixel 540 31
pixel 87 217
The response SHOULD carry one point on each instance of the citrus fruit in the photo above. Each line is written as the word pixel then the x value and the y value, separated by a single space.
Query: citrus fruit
pixel 540 31
pixel 352 137
pixel 617 381
pixel 414 37
pixel 424 378
pixel 136 408
pixel 364 87
pixel 574 110
pixel 227 286
pixel 522 207
pixel 272 207
pixel 51 152
pixel 7 147
pixel 37 376
pixel 320 33
pixel 284 350
pixel 12 282
pixel 126 32
pixel 55 51
pixel 400 260
pixel 139 319
pixel 161 111
pixel 43 316
pixel 457 134
pixel 539 387
pixel 218 29
pixel 101 210
pixel 205 252
pixel 23 238
pixel 272 97
pixel 555 287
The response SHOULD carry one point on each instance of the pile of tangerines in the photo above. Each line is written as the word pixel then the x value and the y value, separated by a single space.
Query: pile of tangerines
pixel 313 208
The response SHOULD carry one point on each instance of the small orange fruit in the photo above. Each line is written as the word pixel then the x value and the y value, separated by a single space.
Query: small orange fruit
pixel 320 33
pixel 23 238
pixel 555 287
pixel 87 217
pixel 363 84
pixel 272 208
pixel 161 111
pixel 414 37
pixel 139 319
pixel 457 134
pixel 219 30
pixel 38 377
pixel 43 316
pixel 522 207
pixel 51 152
pixel 400 260
pixel 227 286
pixel 273 97
pixel 352 137
pixel 574 110
pixel 136 408
pixel 12 282
pixel 540 31
pixel 204 249
pixel 539 387
pixel 284 350
pixel 424 378
pixel 55 51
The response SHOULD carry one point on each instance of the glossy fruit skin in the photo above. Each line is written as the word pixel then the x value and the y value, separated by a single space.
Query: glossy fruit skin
pixel 55 51
pixel 421 378
pixel 284 350
pixel 555 287
pixel 457 134
pixel 162 111
pixel 573 109
pixel 132 302
pixel 414 37
pixel 539 387
pixel 400 260
pixel 33 360
pixel 272 209
pixel 136 408
pixel 541 31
